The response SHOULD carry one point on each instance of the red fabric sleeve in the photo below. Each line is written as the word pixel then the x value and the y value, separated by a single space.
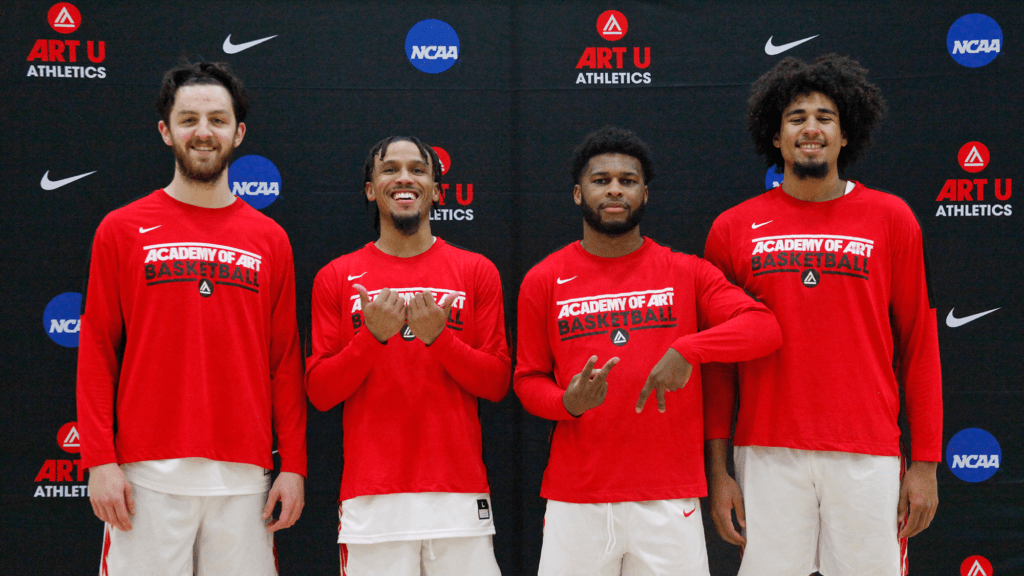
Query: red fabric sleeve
pixel 720 381
pixel 917 343
pixel 100 339
pixel 534 380
pixel 338 366
pixel 287 395
pixel 484 368
pixel 734 327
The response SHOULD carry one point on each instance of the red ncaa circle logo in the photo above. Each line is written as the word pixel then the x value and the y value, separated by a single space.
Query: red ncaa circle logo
pixel 446 160
pixel 64 17
pixel 973 156
pixel 612 25
pixel 976 566
pixel 67 438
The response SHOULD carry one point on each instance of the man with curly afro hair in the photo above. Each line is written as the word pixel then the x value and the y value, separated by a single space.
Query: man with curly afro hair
pixel 821 483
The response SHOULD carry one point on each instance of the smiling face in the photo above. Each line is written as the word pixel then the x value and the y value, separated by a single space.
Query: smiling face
pixel 202 131
pixel 611 193
pixel 403 187
pixel 810 138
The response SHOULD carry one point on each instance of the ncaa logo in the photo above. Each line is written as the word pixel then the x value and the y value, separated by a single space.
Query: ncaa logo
pixel 974 40
pixel 772 178
pixel 612 25
pixel 446 160
pixel 973 455
pixel 64 18
pixel 256 180
pixel 61 319
pixel 67 438
pixel 620 336
pixel 973 156
pixel 432 46
pixel 976 566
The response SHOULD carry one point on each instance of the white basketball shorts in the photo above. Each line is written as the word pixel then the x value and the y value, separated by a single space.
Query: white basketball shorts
pixel 659 537
pixel 469 555
pixel 175 535
pixel 807 511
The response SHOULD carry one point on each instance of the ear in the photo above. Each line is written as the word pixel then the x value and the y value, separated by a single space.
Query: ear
pixel 577 194
pixel 844 138
pixel 435 195
pixel 165 133
pixel 239 133
pixel 645 195
pixel 775 140
pixel 370 194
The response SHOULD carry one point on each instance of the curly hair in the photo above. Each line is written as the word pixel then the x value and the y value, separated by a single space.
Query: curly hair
pixel 202 73
pixel 612 140
pixel 841 78
pixel 380 149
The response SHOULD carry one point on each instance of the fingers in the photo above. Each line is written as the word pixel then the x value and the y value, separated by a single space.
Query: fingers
pixel 272 499
pixel 644 393
pixel 901 509
pixel 920 518
pixel 603 372
pixel 120 513
pixel 447 302
pixel 741 513
pixel 587 368
pixel 129 498
pixel 290 512
pixel 364 297
pixel 660 394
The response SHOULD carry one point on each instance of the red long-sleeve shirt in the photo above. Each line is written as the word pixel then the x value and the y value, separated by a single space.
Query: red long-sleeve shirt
pixel 846 280
pixel 410 415
pixel 201 303
pixel 574 305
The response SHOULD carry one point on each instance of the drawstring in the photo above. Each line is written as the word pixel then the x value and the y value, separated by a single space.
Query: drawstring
pixel 430 549
pixel 611 531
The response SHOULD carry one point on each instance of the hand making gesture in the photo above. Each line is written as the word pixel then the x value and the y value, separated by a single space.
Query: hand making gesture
pixel 427 318
pixel 384 316
pixel 588 389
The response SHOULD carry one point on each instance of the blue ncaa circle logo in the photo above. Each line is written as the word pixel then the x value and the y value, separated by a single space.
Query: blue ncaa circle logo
pixel 772 178
pixel 432 46
pixel 973 455
pixel 61 319
pixel 255 179
pixel 974 40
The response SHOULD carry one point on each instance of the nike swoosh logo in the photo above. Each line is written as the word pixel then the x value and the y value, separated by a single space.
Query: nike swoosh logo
pixel 230 48
pixel 954 322
pixel 144 230
pixel 687 514
pixel 47 184
pixel 772 50
pixel 756 226
pixel 351 278
pixel 560 281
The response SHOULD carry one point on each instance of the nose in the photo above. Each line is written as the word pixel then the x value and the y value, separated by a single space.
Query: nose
pixel 615 188
pixel 203 129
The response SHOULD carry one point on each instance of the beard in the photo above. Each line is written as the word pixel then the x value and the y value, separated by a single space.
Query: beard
pixel 593 218
pixel 204 173
pixel 816 170
pixel 407 224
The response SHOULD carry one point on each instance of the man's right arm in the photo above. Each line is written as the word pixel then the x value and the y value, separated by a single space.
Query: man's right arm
pixel 339 364
pixel 534 379
pixel 101 338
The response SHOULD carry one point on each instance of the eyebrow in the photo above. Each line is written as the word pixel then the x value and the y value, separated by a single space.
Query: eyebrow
pixel 221 111
pixel 820 111
pixel 608 173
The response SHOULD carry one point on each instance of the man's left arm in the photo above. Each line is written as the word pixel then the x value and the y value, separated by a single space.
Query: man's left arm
pixel 287 397
pixel 917 344
pixel 484 369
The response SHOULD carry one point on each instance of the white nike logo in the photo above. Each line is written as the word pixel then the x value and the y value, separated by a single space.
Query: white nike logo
pixel 144 230
pixel 954 322
pixel 756 226
pixel 230 48
pixel 772 50
pixel 351 278
pixel 560 281
pixel 47 184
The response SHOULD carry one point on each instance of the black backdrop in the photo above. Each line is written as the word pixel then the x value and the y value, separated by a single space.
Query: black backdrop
pixel 335 78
